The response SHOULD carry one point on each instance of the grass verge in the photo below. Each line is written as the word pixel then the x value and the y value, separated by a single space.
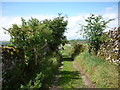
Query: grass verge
pixel 102 74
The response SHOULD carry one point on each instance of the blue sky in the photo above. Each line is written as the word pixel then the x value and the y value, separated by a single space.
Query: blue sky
pixel 76 12
pixel 52 8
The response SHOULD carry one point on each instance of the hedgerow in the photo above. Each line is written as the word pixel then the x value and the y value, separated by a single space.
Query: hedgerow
pixel 39 42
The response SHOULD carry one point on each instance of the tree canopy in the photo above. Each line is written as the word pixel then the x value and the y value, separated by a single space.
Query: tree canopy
pixel 36 37
pixel 94 30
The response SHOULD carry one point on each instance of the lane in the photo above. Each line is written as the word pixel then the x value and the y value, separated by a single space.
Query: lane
pixel 70 77
pixel 85 78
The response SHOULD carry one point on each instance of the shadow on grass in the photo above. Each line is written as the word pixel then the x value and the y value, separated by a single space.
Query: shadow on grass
pixel 68 77
pixel 68 59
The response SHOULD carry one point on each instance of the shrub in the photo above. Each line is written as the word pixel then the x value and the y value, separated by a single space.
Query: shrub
pixel 78 48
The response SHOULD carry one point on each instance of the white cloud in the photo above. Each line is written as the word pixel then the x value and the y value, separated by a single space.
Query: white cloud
pixel 74 27
pixel 113 23
pixel 7 22
pixel 111 13
pixel 73 22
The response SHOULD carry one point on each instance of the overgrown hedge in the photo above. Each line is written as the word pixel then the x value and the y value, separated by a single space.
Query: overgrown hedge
pixel 38 41
pixel 16 72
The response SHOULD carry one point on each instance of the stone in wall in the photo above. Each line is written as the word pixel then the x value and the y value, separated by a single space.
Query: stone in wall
pixel 110 49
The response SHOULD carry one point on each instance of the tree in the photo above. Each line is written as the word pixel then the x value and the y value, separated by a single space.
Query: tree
pixel 34 36
pixel 94 30
pixel 58 27
pixel 36 39
pixel 31 36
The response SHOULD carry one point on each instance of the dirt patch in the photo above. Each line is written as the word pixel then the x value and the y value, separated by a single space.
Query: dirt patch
pixel 85 78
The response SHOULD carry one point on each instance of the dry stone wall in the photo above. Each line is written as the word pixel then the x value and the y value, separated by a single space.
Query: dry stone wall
pixel 110 49
pixel 12 58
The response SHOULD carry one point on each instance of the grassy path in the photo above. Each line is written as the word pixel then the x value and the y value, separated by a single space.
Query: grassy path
pixel 70 77
pixel 85 78
pixel 83 72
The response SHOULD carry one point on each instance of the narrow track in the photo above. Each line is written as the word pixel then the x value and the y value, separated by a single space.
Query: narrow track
pixel 85 78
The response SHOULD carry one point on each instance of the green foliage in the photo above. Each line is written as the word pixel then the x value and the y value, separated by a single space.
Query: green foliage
pixel 94 30
pixel 35 83
pixel 78 48
pixel 70 51
pixel 58 27
pixel 66 52
pixel 9 45
pixel 34 34
pixel 73 42
pixel 38 40
pixel 104 38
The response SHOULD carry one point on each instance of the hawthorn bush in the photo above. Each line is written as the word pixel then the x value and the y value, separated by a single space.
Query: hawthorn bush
pixel 39 42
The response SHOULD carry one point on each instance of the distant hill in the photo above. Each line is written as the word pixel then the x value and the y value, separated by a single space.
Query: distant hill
pixel 81 40
pixel 4 42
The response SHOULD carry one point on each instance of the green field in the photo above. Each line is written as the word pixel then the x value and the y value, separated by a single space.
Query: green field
pixel 4 42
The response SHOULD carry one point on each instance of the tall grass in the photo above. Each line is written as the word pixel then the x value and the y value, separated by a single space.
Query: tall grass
pixel 102 73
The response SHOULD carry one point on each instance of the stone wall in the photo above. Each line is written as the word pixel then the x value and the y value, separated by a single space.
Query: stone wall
pixel 109 49
pixel 12 61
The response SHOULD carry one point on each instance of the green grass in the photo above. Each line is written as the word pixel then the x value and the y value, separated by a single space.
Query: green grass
pixel 66 51
pixel 70 78
pixel 85 44
pixel 102 74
